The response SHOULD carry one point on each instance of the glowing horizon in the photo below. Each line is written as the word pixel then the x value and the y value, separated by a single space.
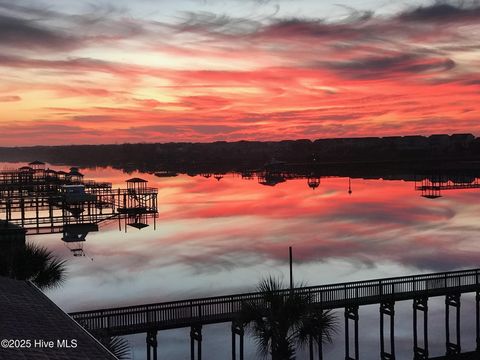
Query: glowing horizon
pixel 214 70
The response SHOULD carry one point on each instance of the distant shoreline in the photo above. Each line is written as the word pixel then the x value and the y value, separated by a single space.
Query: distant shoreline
pixel 408 153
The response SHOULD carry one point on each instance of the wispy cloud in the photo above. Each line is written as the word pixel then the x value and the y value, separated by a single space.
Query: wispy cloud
pixel 10 98
pixel 264 76
pixel 444 11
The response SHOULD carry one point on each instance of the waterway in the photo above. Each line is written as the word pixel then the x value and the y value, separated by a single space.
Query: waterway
pixel 221 236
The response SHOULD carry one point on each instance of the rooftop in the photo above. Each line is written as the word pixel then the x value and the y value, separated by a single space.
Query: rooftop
pixel 26 313
pixel 136 180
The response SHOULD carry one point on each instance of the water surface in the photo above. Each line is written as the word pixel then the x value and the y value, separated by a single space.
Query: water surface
pixel 218 237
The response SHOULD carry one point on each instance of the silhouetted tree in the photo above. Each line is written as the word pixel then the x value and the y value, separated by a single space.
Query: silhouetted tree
pixel 118 346
pixel 281 320
pixel 35 263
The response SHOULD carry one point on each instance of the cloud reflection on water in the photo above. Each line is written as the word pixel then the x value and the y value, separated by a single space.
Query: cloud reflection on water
pixel 220 237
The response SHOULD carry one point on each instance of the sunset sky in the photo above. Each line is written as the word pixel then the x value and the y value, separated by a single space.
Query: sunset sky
pixel 74 72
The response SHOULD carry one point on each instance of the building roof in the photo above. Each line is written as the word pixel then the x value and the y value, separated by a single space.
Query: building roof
pixel 36 162
pixel 136 180
pixel 28 314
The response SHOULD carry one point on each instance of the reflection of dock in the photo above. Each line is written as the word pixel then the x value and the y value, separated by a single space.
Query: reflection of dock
pixel 272 176
pixel 45 201
pixel 195 313
pixel 432 186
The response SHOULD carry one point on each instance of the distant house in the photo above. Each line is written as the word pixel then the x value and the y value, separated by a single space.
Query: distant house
pixel 414 142
pixel 462 140
pixel 439 140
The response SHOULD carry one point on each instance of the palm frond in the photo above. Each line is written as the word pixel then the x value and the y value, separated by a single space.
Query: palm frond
pixel 281 319
pixel 317 324
pixel 51 275
pixel 118 346
pixel 43 268
pixel 35 263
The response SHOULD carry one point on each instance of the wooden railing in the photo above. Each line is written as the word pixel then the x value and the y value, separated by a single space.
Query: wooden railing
pixel 176 314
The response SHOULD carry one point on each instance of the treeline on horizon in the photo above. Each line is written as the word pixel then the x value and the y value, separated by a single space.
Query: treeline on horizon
pixel 241 155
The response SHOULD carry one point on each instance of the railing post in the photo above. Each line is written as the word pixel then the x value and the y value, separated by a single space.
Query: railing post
pixel 234 345
pixel 347 336
pixel 106 318
pixel 310 347
pixel 454 301
pixel 387 308
pixel 196 335
pixel 152 345
pixel 320 347
pixel 237 329
pixel 420 304
pixel 351 313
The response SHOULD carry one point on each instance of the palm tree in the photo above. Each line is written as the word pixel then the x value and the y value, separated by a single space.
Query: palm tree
pixel 282 320
pixel 35 263
pixel 118 346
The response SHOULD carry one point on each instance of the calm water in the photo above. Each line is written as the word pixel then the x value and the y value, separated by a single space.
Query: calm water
pixel 219 237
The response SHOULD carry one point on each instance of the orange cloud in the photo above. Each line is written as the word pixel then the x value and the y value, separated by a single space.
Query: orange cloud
pixel 210 77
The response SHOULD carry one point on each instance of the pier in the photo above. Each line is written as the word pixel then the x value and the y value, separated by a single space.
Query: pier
pixel 40 200
pixel 195 313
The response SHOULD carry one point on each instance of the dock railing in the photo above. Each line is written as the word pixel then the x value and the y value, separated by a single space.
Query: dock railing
pixel 216 309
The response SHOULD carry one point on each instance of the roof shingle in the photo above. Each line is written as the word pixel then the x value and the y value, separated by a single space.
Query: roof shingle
pixel 28 314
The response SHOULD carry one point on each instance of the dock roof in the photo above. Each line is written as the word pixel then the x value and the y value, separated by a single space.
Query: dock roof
pixel 136 180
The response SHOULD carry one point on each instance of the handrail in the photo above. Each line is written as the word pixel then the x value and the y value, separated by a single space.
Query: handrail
pixel 386 287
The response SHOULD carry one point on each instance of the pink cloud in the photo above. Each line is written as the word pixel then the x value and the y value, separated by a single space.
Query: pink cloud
pixel 11 98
